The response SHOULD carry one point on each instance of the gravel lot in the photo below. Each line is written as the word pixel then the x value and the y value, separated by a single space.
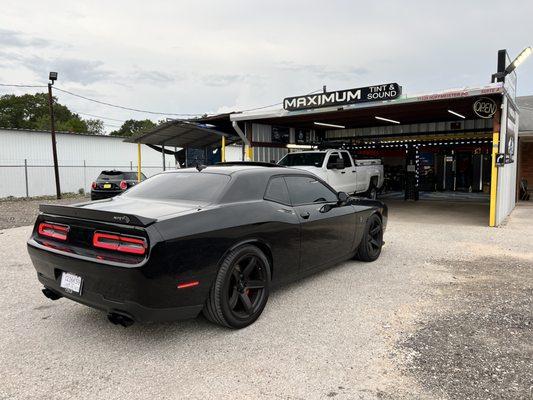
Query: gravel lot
pixel 446 312
pixel 22 212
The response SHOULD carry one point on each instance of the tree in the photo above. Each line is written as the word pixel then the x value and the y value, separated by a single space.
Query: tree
pixel 95 126
pixel 31 111
pixel 132 127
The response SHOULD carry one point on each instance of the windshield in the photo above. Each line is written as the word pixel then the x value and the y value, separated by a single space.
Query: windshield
pixel 309 159
pixel 184 186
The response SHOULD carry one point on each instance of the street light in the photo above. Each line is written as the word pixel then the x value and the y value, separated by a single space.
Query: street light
pixel 519 60
pixel 503 72
pixel 53 77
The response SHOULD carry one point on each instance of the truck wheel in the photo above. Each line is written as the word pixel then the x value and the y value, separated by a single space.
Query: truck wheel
pixel 370 247
pixel 372 192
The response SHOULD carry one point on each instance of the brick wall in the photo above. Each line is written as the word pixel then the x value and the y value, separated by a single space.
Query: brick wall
pixel 525 169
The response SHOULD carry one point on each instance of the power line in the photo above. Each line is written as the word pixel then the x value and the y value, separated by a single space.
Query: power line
pixel 22 86
pixel 276 104
pixel 112 125
pixel 122 107
pixel 98 116
pixel 135 109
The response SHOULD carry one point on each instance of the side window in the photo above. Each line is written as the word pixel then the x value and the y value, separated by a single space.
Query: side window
pixel 333 157
pixel 277 191
pixel 346 158
pixel 307 190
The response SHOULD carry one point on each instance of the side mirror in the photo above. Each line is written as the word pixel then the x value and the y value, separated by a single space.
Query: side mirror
pixel 343 197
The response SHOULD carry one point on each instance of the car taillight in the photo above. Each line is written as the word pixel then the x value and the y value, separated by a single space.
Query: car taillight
pixel 55 231
pixel 123 185
pixel 93 185
pixel 124 244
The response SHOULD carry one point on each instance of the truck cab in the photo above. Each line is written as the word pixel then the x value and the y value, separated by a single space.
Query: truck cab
pixel 339 170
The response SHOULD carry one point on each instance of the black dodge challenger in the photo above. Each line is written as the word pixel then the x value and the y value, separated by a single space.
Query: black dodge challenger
pixel 212 239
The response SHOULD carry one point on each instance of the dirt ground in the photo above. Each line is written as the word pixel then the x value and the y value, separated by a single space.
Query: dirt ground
pixel 445 313
pixel 22 212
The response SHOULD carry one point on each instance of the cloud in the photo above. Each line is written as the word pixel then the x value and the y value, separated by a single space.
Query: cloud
pixel 324 71
pixel 9 38
pixel 70 69
pixel 153 76
pixel 221 79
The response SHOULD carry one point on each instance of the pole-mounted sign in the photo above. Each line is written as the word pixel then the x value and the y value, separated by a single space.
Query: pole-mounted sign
pixel 387 91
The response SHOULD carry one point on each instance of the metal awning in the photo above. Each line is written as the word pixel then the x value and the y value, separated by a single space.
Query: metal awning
pixel 419 108
pixel 181 133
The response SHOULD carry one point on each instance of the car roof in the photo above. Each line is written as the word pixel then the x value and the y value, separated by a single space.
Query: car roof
pixel 238 169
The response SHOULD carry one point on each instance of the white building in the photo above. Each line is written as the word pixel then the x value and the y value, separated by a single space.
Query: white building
pixel 26 163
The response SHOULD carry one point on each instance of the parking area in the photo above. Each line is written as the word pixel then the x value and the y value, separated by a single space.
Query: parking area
pixel 444 313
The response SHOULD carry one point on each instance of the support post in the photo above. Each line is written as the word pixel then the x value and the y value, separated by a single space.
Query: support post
pixel 494 178
pixel 138 162
pixel 494 169
pixel 26 177
pixel 223 150
pixel 163 154
pixel 84 177
pixel 53 131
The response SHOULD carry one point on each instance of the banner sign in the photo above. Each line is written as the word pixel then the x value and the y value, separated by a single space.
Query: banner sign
pixel 387 91
pixel 510 133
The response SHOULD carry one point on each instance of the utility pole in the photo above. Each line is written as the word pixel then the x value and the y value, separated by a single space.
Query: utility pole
pixel 53 78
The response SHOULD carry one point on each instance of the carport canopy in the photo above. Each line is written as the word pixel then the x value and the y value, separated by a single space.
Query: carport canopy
pixel 182 133
pixel 423 108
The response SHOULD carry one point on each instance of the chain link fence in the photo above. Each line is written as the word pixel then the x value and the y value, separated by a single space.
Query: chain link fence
pixel 24 178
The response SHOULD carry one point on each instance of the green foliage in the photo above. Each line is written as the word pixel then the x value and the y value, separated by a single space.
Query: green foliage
pixel 132 127
pixel 31 111
pixel 95 126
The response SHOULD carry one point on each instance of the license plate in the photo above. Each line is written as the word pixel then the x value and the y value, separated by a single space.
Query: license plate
pixel 107 186
pixel 71 283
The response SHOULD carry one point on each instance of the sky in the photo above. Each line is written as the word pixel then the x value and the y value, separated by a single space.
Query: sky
pixel 196 57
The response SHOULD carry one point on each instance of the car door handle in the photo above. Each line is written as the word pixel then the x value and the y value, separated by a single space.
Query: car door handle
pixel 305 215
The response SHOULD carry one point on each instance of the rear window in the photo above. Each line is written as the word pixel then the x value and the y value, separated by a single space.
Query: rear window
pixel 132 176
pixel 119 176
pixel 184 186
pixel 303 159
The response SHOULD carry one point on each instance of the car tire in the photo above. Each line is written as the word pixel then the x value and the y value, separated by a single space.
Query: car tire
pixel 241 288
pixel 372 241
pixel 372 192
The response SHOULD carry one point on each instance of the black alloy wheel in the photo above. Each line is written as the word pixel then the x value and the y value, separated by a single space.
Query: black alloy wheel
pixel 240 291
pixel 372 241
pixel 247 286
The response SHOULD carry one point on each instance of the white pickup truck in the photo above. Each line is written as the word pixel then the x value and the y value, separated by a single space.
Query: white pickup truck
pixel 339 170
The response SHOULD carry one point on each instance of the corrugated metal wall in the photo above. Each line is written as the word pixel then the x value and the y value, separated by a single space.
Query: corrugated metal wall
pixel 269 154
pixel 263 133
pixel 80 157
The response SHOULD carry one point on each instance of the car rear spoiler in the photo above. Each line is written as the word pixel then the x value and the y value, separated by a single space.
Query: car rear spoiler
pixel 96 215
